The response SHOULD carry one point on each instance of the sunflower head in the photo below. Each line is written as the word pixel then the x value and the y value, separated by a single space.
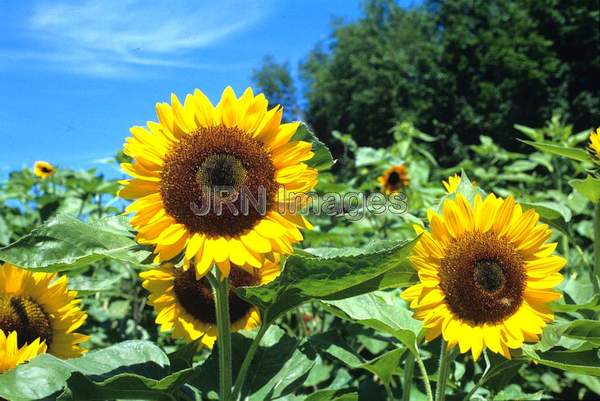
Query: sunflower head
pixel 486 274
pixel 39 307
pixel 452 183
pixel 43 169
pixel 13 354
pixel 185 304
pixel 211 184
pixel 394 179
pixel 594 145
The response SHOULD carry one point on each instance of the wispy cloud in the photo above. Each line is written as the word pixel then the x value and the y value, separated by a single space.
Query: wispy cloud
pixel 117 38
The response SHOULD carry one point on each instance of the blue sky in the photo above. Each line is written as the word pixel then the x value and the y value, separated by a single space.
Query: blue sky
pixel 75 76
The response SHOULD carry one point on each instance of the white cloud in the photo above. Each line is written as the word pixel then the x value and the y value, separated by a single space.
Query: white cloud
pixel 117 38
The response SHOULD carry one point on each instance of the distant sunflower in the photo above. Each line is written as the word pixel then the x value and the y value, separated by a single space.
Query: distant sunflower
pixel 186 307
pixel 595 143
pixel 452 183
pixel 394 179
pixel 39 306
pixel 11 354
pixel 486 275
pixel 43 169
pixel 238 144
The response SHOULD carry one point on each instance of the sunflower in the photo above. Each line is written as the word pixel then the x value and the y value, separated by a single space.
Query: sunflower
pixel 595 143
pixel 39 306
pixel 43 169
pixel 486 275
pixel 11 354
pixel 196 148
pixel 394 179
pixel 185 305
pixel 452 183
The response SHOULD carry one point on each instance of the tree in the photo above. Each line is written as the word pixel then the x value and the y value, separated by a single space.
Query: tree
pixel 276 82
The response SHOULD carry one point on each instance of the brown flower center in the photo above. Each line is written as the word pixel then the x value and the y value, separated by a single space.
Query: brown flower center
pixel 219 181
pixel 482 277
pixel 26 317
pixel 196 296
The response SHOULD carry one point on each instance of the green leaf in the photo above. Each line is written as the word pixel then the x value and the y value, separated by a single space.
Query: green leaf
pixel 333 395
pixel 590 187
pixel 593 305
pixel 322 159
pixel 50 374
pixel 280 365
pixel 584 362
pixel 554 214
pixel 384 366
pixel 587 330
pixel 125 386
pixel 577 154
pixel 514 393
pixel 379 311
pixel 357 272
pixel 64 243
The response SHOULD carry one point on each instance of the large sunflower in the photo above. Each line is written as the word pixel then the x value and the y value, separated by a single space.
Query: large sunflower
pixel 394 179
pixel 43 169
pixel 39 306
pixel 185 305
pixel 195 148
pixel 486 275
pixel 12 354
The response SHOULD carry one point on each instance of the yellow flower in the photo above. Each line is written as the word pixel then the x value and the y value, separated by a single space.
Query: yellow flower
pixel 39 306
pixel 486 275
pixel 394 179
pixel 185 305
pixel 43 169
pixel 595 142
pixel 11 354
pixel 197 147
pixel 452 183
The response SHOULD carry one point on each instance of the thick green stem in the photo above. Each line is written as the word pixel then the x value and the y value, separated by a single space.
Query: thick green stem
pixel 221 289
pixel 389 392
pixel 239 381
pixel 596 275
pixel 423 371
pixel 444 371
pixel 409 371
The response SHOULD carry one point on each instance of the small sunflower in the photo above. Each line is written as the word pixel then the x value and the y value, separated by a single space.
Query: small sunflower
pixel 185 305
pixel 452 183
pixel 39 306
pixel 486 275
pixel 11 354
pixel 239 144
pixel 43 169
pixel 595 143
pixel 394 179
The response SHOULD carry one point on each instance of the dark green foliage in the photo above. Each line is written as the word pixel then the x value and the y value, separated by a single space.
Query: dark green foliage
pixel 275 81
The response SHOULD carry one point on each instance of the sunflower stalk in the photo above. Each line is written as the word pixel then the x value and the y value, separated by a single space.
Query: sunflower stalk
pixel 409 371
pixel 220 286
pixel 239 381
pixel 446 358
pixel 596 275
pixel 425 375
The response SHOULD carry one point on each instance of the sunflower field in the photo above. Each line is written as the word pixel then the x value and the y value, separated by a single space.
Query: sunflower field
pixel 425 228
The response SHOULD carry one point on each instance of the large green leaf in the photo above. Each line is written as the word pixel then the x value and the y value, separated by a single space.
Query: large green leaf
pixel 585 362
pixel 333 395
pixel 280 365
pixel 354 273
pixel 380 312
pixel 586 330
pixel 322 159
pixel 577 154
pixel 47 375
pixel 590 187
pixel 65 242
pixel 125 386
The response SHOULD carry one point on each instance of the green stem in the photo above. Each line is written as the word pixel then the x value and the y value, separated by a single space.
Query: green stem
pixel 409 371
pixel 388 391
pixel 445 361
pixel 239 381
pixel 221 288
pixel 596 276
pixel 423 371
